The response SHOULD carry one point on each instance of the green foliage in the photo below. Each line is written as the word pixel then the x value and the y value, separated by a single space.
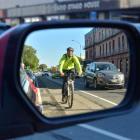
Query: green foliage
pixel 30 58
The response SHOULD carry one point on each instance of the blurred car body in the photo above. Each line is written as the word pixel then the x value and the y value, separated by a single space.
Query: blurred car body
pixel 29 85
pixel 47 73
pixel 3 27
pixel 37 73
pixel 103 74
pixel 31 75
pixel 56 75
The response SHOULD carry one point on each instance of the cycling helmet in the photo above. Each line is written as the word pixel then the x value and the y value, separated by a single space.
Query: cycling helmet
pixel 70 49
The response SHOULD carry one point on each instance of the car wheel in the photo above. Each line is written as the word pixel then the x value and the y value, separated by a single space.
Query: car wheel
pixel 121 87
pixel 86 83
pixel 95 84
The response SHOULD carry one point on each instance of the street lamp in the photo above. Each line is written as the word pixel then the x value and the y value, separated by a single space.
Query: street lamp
pixel 79 44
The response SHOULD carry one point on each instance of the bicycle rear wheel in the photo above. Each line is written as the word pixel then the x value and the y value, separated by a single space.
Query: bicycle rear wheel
pixel 70 95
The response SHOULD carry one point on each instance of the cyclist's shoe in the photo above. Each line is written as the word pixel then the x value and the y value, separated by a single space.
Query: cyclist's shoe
pixel 62 98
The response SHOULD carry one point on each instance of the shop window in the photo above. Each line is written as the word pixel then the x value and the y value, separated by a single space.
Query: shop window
pixel 110 48
pixel 127 66
pixel 100 50
pixel 113 46
pixel 121 65
pixel 123 43
pixel 86 54
pixel 119 44
pixel 106 49
pixel 103 50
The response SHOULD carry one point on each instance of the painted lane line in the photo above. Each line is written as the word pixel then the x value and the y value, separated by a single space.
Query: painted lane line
pixel 104 132
pixel 98 97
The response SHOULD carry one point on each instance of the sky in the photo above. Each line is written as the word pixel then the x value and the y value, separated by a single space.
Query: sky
pixel 51 44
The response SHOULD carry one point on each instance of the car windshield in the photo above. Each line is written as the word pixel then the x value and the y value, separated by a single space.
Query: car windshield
pixel 106 67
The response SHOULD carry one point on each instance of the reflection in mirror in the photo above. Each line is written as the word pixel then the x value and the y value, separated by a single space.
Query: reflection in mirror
pixel 75 70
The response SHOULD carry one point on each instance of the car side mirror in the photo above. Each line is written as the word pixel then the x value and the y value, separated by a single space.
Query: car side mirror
pixel 38 43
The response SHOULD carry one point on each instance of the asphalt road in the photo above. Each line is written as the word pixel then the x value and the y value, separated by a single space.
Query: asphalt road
pixel 85 100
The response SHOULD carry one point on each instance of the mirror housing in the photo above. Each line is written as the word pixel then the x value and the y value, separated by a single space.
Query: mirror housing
pixel 29 118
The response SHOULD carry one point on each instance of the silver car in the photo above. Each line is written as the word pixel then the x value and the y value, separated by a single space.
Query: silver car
pixel 103 74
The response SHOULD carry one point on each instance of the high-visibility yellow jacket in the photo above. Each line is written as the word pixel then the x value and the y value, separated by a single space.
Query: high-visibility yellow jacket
pixel 68 63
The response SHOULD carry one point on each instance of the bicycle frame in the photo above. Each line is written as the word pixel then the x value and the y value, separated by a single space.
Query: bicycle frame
pixel 69 88
pixel 70 83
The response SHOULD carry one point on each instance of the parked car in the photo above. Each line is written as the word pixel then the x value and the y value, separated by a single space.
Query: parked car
pixel 31 75
pixel 3 27
pixel 47 73
pixel 56 75
pixel 103 74
pixel 29 85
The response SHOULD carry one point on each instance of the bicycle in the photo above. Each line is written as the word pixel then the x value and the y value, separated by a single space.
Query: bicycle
pixel 69 88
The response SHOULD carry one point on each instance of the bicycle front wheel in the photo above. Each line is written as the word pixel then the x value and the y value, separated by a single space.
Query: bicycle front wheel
pixel 70 95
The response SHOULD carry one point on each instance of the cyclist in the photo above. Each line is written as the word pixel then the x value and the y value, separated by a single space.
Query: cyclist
pixel 68 63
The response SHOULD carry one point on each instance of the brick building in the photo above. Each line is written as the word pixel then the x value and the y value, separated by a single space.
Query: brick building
pixel 110 45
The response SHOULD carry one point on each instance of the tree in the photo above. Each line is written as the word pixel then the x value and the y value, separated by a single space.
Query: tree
pixel 54 69
pixel 30 58
pixel 43 67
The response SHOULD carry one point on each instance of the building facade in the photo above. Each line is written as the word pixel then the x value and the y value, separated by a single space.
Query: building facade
pixel 109 45
pixel 31 10
pixel 19 11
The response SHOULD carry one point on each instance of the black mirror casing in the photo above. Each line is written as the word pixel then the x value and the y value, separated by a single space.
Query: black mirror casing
pixel 18 115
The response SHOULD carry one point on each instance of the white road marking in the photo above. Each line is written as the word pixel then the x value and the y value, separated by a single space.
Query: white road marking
pixel 98 97
pixel 103 132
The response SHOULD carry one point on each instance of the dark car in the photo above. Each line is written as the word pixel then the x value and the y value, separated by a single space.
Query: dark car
pixel 31 75
pixel 47 73
pixel 103 74
pixel 56 75
pixel 3 27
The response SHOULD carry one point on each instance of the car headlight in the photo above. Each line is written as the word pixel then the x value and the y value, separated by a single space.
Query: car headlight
pixel 115 76
pixel 121 77
pixel 101 75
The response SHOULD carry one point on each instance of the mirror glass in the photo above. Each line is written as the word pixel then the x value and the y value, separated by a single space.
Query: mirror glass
pixel 56 59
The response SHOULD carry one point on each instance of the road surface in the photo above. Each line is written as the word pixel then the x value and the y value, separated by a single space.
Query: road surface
pixel 85 100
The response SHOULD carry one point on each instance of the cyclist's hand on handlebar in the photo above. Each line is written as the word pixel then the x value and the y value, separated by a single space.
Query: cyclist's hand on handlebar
pixel 62 74
pixel 80 74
